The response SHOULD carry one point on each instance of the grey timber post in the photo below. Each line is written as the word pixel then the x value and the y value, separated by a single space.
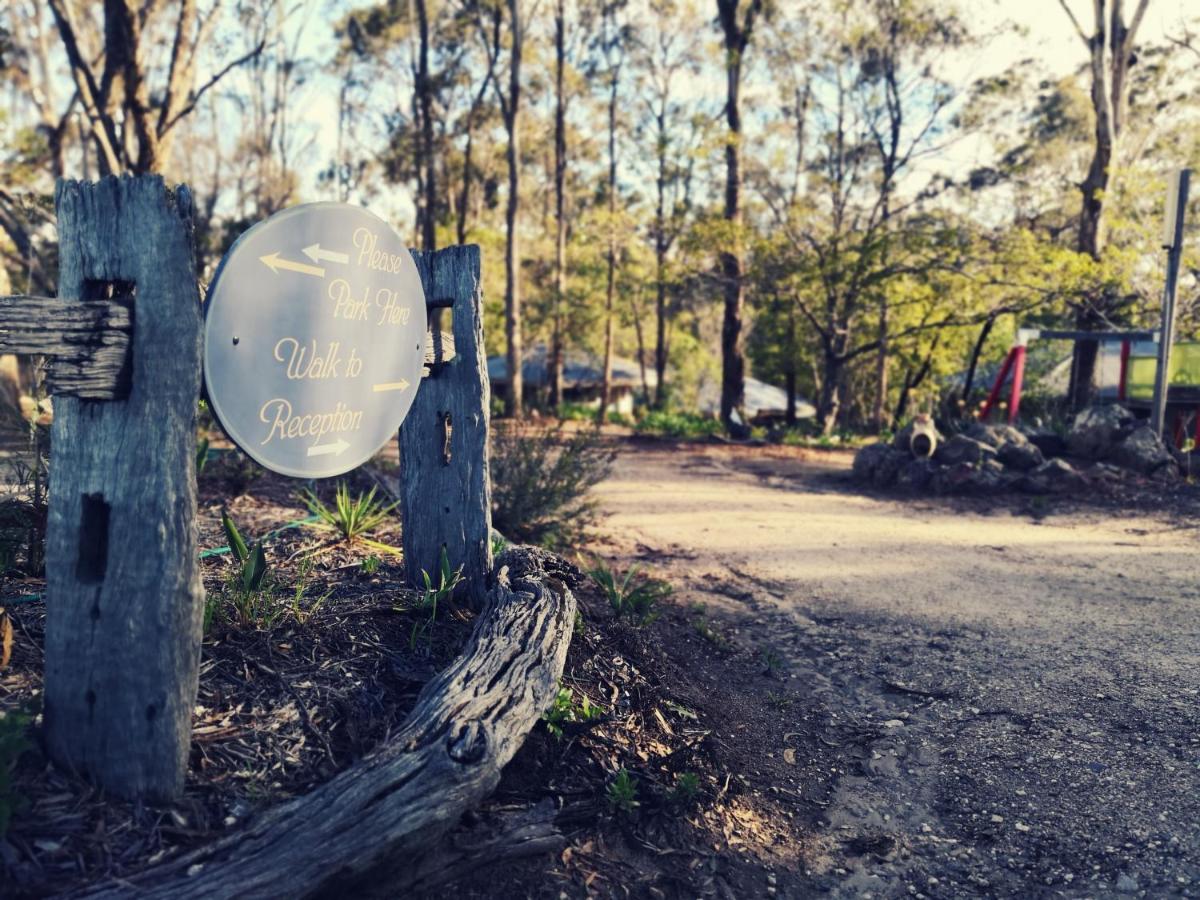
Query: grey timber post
pixel 445 491
pixel 124 601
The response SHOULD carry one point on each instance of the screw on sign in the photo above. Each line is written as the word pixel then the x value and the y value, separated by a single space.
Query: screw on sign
pixel 314 339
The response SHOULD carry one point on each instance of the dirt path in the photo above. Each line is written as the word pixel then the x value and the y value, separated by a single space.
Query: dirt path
pixel 1007 703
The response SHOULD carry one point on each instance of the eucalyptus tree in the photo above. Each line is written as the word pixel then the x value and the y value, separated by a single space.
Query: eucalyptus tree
pixel 737 20
pixel 665 54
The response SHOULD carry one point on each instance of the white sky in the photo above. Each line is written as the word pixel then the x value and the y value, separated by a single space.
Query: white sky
pixel 1046 37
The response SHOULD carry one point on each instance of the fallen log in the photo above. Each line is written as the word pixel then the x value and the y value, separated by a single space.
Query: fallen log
pixel 360 833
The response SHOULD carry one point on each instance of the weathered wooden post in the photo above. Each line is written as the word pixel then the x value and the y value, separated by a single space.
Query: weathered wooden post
pixel 124 601
pixel 445 491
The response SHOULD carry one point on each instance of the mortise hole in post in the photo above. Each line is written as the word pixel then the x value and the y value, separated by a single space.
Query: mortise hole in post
pixel 439 341
pixel 92 562
pixel 121 291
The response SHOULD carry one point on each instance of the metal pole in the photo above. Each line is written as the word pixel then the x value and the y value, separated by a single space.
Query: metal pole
pixel 1173 241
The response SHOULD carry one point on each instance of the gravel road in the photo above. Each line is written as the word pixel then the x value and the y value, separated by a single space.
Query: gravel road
pixel 1007 700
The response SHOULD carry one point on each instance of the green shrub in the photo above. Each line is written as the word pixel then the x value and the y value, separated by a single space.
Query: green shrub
pixel 634 596
pixel 351 518
pixel 13 742
pixel 678 424
pixel 686 789
pixel 248 588
pixel 540 483
pixel 432 596
pixel 622 794
pixel 565 710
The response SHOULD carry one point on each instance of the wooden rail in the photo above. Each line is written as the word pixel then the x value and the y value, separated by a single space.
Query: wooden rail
pixel 88 341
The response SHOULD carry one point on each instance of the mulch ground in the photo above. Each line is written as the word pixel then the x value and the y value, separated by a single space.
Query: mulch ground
pixel 330 668
pixel 321 672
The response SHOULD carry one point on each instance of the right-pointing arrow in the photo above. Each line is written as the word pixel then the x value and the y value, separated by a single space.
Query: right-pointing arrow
pixel 390 386
pixel 335 449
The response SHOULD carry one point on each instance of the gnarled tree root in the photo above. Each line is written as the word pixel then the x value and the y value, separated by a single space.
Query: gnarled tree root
pixel 360 833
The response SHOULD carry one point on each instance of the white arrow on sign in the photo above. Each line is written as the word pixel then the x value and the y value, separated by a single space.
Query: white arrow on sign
pixel 390 386
pixel 274 263
pixel 316 254
pixel 336 449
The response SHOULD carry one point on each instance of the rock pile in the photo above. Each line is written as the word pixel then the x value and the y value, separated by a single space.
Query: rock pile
pixel 1104 444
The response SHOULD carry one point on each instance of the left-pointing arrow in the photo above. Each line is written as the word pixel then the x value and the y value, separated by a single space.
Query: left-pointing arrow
pixel 316 253
pixel 335 449
pixel 274 263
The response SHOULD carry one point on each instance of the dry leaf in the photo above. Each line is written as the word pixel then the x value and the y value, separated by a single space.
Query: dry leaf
pixel 6 639
pixel 789 755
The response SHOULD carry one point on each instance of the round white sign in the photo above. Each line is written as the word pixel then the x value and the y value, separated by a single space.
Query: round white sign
pixel 314 339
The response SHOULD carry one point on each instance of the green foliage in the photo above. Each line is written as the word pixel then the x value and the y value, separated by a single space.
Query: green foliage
pixel 622 794
pixel 370 565
pixel 499 543
pixel 678 425
pixel 686 789
pixel 14 727
pixel 303 607
pixel 201 454
pixel 246 598
pixel 540 482
pixel 351 518
pixel 433 596
pixel 252 563
pixel 772 662
pixel 633 595
pixel 565 710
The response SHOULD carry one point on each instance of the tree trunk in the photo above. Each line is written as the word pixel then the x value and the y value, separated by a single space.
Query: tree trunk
pixel 514 400
pixel 1110 47
pixel 560 220
pixel 611 287
pixel 125 602
pixel 428 158
pixel 733 362
pixel 660 264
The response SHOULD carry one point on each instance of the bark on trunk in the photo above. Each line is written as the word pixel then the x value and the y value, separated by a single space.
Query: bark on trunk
pixel 125 601
pixel 560 220
pixel 733 362
pixel 513 401
pixel 611 287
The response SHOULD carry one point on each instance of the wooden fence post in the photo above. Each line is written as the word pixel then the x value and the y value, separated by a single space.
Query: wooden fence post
pixel 124 601
pixel 445 492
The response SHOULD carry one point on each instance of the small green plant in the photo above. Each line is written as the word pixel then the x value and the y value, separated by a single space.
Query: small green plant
pixel 622 793
pixel 634 596
pixel 13 742
pixel 301 610
pixel 579 626
pixel 686 789
pixel 499 543
pixel 248 587
pixel 370 565
pixel 432 596
pixel 772 662
pixel 351 518
pixel 710 634
pixel 565 710
pixel 201 454
pixel 252 563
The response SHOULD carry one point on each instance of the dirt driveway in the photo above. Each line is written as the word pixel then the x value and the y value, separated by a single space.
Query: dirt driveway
pixel 1001 702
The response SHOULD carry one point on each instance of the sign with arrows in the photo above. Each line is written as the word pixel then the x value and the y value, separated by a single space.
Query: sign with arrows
pixel 314 339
